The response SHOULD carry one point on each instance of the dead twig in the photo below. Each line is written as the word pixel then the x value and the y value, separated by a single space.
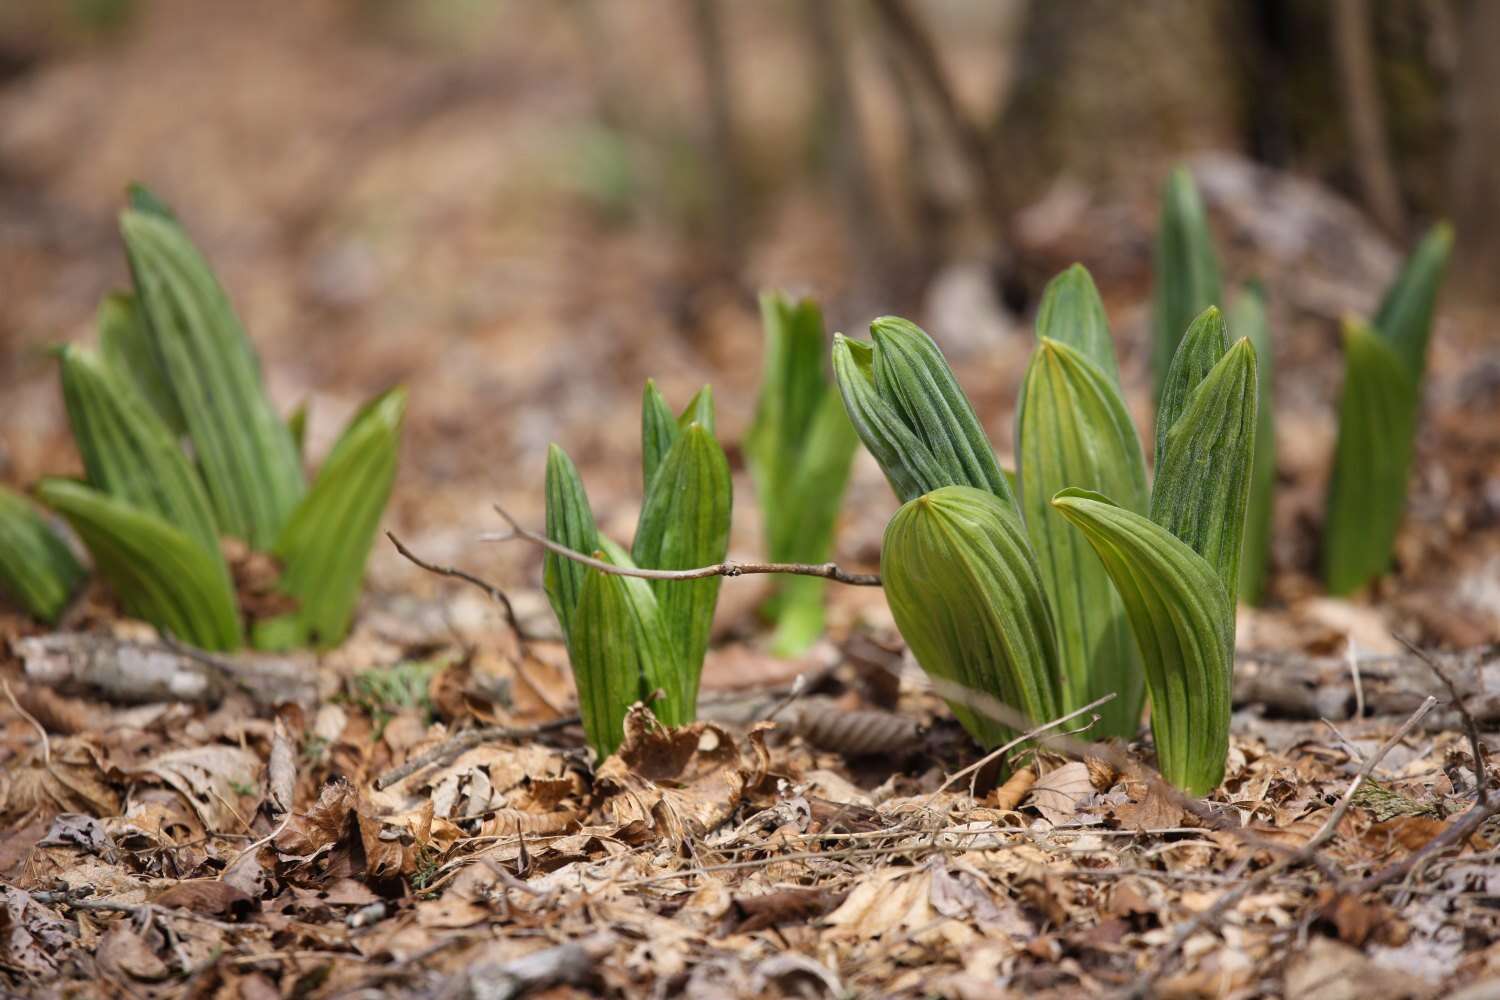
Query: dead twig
pixel 1166 960
pixel 41 729
pixel 1030 734
pixel 468 739
pixel 1471 727
pixel 828 571
pixel 495 593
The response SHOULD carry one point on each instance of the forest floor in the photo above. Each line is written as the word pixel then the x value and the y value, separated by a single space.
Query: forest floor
pixel 828 836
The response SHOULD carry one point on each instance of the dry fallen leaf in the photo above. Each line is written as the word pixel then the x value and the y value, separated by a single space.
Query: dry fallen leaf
pixel 213 778
pixel 1061 792
pixel 673 783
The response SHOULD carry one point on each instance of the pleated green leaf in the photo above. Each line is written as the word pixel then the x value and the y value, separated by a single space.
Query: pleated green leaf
pixel 1202 483
pixel 142 199
pixel 1367 493
pixel 699 410
pixel 296 425
pixel 1205 342
pixel 909 465
pixel 570 522
pixel 1073 430
pixel 327 540
pixel 659 431
pixel 799 450
pixel 966 593
pixel 1405 316
pixel 1186 270
pixel 1247 318
pixel 249 461
pixel 912 375
pixel 125 344
pixel 621 653
pixel 128 451
pixel 158 572
pixel 1072 313
pixel 685 524
pixel 37 570
pixel 806 520
pixel 1183 620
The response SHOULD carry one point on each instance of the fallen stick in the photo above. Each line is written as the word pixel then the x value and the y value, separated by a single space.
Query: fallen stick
pixel 828 571
pixel 136 672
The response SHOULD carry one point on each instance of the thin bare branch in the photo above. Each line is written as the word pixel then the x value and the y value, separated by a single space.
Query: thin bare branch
pixel 1030 734
pixel 40 729
pixel 495 593
pixel 828 571
pixel 1476 746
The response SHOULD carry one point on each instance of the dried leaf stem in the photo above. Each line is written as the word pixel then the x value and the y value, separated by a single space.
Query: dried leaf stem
pixel 828 571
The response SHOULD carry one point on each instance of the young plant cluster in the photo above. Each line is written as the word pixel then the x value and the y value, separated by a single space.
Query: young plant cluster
pixel 631 640
pixel 799 450
pixel 182 449
pixel 1081 581
pixel 1384 363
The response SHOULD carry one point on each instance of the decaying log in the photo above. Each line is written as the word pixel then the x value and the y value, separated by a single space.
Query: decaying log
pixel 1312 687
pixel 130 672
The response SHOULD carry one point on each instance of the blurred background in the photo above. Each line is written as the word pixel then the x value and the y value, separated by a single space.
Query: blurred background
pixel 522 209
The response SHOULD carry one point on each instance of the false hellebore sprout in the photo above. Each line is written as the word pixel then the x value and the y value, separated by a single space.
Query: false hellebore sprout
pixel 37 570
pixel 1186 270
pixel 1383 368
pixel 1031 601
pixel 799 450
pixel 1187 282
pixel 630 639
pixel 1247 318
pixel 175 369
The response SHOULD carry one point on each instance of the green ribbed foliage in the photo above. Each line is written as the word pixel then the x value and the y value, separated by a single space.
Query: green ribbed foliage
pixel 1186 271
pixel 181 445
pixel 328 538
pixel 37 570
pixel 1184 621
pixel 1247 318
pixel 249 462
pixel 1072 429
pixel 909 410
pixel 128 452
pixel 1070 597
pixel 799 450
pixel 966 593
pixel 622 653
pixel 628 638
pixel 1383 370
pixel 1367 493
pixel 1203 474
pixel 160 574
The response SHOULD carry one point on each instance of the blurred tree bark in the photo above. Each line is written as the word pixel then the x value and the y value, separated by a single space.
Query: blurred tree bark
pixel 920 70
pixel 1354 55
pixel 1474 180
pixel 866 231
pixel 723 156
pixel 1099 84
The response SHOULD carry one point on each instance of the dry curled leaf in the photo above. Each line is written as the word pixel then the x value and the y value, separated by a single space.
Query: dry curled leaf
pixel 1061 792
pixel 71 781
pixel 672 782
pixel 33 937
pixel 213 778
